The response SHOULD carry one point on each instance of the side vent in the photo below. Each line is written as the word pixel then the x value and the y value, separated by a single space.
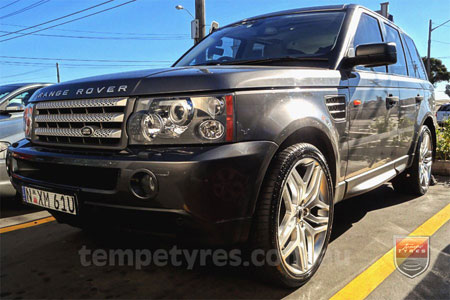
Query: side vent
pixel 336 106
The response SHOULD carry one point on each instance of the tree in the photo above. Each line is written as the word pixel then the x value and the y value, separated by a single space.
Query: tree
pixel 438 70
pixel 447 89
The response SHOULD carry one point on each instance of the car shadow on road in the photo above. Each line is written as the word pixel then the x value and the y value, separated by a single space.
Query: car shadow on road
pixel 352 210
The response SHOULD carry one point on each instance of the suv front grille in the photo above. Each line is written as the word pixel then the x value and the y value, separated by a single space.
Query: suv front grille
pixel 96 123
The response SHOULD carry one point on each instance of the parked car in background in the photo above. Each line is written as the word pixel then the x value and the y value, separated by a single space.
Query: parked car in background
pixel 13 99
pixel 443 113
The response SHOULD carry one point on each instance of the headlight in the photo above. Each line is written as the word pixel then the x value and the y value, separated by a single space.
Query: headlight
pixel 28 120
pixel 182 120
pixel 3 147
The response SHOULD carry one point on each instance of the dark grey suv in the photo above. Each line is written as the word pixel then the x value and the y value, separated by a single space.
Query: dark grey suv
pixel 252 136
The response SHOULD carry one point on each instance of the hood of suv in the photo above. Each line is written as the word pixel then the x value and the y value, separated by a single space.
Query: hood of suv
pixel 187 80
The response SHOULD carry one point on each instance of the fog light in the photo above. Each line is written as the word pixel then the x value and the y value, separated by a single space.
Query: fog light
pixel 211 130
pixel 143 184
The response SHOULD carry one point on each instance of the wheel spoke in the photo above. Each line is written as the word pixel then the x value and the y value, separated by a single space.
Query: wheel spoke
pixel 313 186
pixel 286 228
pixel 296 179
pixel 292 244
pixel 288 200
pixel 294 190
pixel 303 254
pixel 317 219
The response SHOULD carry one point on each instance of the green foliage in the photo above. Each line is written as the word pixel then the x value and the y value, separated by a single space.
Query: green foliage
pixel 438 70
pixel 443 141
pixel 447 90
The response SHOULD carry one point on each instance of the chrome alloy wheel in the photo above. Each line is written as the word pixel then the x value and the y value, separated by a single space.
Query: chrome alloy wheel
pixel 425 161
pixel 303 216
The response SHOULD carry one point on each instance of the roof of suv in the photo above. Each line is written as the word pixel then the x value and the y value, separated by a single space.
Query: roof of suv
pixel 312 9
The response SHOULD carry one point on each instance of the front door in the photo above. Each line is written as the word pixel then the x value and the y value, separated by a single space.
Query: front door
pixel 373 108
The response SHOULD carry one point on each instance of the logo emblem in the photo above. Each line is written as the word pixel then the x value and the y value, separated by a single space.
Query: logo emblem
pixel 411 254
pixel 87 131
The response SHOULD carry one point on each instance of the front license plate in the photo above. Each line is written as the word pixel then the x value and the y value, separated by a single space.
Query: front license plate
pixel 50 200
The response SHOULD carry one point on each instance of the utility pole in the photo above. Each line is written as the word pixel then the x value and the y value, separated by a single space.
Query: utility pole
pixel 430 29
pixel 200 16
pixel 57 73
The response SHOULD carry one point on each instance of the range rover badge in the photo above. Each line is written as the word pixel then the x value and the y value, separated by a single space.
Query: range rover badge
pixel 87 131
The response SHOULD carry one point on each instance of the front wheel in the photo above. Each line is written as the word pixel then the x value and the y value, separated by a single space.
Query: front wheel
pixel 294 215
pixel 416 179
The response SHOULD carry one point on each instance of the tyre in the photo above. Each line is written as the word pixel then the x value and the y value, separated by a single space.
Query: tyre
pixel 294 215
pixel 416 179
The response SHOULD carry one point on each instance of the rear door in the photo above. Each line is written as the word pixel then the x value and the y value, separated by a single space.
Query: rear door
pixel 411 93
pixel 373 124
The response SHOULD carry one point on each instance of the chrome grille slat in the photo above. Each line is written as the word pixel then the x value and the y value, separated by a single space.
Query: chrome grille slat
pixel 61 122
pixel 82 103
pixel 75 132
pixel 106 117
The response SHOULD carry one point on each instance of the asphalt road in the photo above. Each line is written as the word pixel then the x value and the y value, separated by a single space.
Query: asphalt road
pixel 43 261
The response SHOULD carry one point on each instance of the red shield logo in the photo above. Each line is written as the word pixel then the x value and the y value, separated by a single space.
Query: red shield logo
pixel 411 254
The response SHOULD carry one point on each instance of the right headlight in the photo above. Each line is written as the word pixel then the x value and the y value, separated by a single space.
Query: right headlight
pixel 182 120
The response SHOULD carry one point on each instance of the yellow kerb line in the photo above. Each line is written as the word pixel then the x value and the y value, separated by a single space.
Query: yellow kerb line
pixel 27 224
pixel 361 286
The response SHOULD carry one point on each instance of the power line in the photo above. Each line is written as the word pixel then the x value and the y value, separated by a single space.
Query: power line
pixel 149 38
pixel 25 73
pixel 53 20
pixel 70 21
pixel 15 63
pixel 86 60
pixel 441 42
pixel 9 4
pixel 108 32
pixel 36 4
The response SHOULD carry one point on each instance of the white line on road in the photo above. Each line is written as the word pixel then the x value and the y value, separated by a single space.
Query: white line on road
pixel 11 221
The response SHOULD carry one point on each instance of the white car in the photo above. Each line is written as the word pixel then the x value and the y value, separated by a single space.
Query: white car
pixel 443 113
pixel 13 99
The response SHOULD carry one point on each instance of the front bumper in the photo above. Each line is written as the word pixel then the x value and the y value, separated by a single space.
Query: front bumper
pixel 211 190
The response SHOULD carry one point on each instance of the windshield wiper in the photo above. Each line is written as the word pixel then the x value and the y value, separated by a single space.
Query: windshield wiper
pixel 263 60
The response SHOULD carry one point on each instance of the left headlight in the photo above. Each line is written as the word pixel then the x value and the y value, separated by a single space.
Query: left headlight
pixel 182 120
pixel 28 120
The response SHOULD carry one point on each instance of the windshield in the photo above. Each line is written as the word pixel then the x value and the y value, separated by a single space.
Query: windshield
pixel 305 35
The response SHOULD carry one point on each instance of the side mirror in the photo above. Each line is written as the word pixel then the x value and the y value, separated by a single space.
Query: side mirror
pixel 15 107
pixel 372 55
pixel 214 26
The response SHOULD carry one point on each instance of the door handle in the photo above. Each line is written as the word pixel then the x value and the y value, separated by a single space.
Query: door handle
pixel 419 98
pixel 391 100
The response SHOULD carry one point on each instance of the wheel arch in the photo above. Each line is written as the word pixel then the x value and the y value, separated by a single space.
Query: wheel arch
pixel 318 135
pixel 428 121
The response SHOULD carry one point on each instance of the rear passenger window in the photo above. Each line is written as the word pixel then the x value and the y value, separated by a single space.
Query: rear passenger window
pixel 368 32
pixel 392 35
pixel 417 65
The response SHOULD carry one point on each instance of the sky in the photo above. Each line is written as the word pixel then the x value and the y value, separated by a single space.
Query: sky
pixel 148 34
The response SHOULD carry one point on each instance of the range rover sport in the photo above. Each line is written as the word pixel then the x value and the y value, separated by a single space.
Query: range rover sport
pixel 251 136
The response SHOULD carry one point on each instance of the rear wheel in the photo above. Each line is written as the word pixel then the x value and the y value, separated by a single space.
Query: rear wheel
pixel 416 179
pixel 294 215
